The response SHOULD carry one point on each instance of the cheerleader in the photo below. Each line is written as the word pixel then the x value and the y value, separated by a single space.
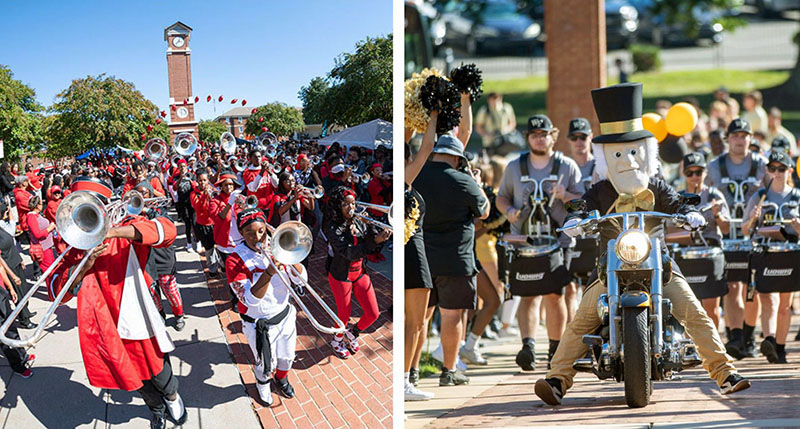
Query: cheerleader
pixel 774 284
pixel 268 320
pixel 351 239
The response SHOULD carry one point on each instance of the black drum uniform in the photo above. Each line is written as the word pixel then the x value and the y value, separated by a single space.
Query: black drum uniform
pixel 775 266
pixel 583 257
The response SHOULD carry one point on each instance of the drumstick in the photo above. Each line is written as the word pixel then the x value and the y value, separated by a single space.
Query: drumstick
pixel 550 203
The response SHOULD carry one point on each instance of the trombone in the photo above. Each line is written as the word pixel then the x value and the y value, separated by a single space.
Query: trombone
pixel 361 209
pixel 83 221
pixel 291 243
pixel 317 191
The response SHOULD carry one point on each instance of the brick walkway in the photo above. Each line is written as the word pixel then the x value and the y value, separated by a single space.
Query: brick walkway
pixel 330 392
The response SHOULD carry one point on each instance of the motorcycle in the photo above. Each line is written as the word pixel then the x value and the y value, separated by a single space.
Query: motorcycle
pixel 638 341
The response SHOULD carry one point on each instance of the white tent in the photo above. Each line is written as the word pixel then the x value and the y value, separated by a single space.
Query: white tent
pixel 369 135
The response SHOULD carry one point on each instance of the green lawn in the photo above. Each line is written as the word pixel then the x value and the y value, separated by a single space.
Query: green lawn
pixel 528 95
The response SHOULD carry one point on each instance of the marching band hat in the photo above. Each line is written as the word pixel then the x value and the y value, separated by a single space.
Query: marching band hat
pixel 539 122
pixel 225 175
pixel 374 166
pixel 579 126
pixel 619 110
pixel 248 216
pixel 780 157
pixel 182 161
pixel 450 145
pixel 99 187
pixel 738 125
pixel 694 159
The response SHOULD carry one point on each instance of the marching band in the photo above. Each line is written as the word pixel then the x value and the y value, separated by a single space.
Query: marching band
pixel 252 211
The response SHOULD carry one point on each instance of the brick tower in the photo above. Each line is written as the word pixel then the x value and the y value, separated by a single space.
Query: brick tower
pixel 179 65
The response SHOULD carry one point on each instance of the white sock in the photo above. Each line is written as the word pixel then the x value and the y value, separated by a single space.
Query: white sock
pixel 472 341
pixel 405 375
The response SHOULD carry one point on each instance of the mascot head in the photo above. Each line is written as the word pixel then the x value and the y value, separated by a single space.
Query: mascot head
pixel 627 154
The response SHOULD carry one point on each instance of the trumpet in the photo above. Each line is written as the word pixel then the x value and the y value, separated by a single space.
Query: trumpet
pixel 185 144
pixel 316 192
pixel 82 221
pixel 361 178
pixel 155 149
pixel 251 202
pixel 291 243
pixel 227 142
pixel 316 159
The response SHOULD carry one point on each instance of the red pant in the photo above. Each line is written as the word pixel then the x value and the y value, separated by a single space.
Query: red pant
pixel 360 284
pixel 168 285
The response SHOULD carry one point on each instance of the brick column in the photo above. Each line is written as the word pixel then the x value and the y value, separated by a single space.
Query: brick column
pixel 576 58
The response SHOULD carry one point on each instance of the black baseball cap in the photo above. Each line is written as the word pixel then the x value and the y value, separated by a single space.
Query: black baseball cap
pixel 539 122
pixel 780 142
pixel 780 157
pixel 738 125
pixel 580 126
pixel 693 159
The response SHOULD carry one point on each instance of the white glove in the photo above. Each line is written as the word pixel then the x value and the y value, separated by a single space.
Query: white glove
pixel 233 196
pixel 573 230
pixel 695 220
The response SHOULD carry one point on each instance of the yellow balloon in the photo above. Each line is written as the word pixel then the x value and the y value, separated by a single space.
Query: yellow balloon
pixel 681 119
pixel 654 123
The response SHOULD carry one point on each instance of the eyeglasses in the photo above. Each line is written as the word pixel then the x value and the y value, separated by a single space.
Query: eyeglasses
pixel 690 173
pixel 772 169
pixel 575 137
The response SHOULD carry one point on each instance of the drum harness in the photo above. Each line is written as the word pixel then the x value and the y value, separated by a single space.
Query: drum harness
pixel 535 199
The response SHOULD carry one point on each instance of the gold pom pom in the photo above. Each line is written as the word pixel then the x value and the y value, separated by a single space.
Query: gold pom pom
pixel 416 118
pixel 410 222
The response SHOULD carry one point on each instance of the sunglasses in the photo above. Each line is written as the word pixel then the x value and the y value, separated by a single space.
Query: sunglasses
pixel 780 169
pixel 690 173
pixel 575 137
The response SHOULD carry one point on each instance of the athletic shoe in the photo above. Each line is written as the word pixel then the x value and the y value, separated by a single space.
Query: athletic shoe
pixel 213 275
pixel 438 355
pixel 198 247
pixel 769 349
pixel 27 325
pixel 351 340
pixel 472 356
pixel 189 248
pixel 489 334
pixel 180 322
pixel 750 348
pixel 734 383
pixel 413 376
pixel 735 348
pixel 30 360
pixel 414 394
pixel 526 358
pixel 158 422
pixel 508 332
pixel 339 348
pixel 26 374
pixel 284 387
pixel 264 392
pixel 176 408
pixel 781 356
pixel 452 378
pixel 549 390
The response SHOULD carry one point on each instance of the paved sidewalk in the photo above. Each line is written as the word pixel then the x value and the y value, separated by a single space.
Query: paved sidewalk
pixel 59 395
pixel 500 395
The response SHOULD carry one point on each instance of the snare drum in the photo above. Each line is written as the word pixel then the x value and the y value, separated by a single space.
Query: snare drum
pixel 704 270
pixel 534 269
pixel 737 257
pixel 777 267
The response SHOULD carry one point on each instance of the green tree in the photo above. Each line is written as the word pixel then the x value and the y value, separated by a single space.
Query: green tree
pixel 313 97
pixel 361 84
pixel 102 112
pixel 210 131
pixel 20 118
pixel 280 118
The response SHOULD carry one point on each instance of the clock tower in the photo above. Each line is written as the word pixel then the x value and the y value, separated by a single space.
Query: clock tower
pixel 179 65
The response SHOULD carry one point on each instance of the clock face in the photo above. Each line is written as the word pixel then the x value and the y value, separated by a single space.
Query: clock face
pixel 183 112
pixel 177 42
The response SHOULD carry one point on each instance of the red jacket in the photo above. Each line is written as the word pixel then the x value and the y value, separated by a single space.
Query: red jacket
pixel 154 182
pixel 111 361
pixel 201 203
pixel 222 226
pixel 34 179
pixel 51 209
pixel 22 197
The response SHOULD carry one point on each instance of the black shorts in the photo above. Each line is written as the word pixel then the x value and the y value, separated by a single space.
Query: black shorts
pixel 454 292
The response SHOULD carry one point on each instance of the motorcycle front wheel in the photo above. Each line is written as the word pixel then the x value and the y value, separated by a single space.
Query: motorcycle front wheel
pixel 636 346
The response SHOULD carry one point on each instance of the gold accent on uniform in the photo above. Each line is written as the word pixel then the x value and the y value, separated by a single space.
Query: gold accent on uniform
pixel 627 203
pixel 620 127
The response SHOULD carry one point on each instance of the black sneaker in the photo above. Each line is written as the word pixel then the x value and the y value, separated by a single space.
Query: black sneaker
pixel 734 383
pixel 413 376
pixel 549 390
pixel 158 422
pixel 750 348
pixel 769 349
pixel 526 358
pixel 284 387
pixel 781 356
pixel 452 378
pixel 735 347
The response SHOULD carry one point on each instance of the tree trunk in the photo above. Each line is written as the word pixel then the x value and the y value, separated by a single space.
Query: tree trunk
pixel 786 96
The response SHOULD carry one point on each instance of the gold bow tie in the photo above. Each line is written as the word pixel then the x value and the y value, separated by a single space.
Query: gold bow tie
pixel 626 203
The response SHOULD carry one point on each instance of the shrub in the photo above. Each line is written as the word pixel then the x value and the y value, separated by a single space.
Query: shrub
pixel 646 57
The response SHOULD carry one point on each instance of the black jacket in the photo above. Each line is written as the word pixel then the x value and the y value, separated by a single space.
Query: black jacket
pixel 348 248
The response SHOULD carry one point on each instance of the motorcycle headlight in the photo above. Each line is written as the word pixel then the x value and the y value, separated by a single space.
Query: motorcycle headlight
pixel 532 31
pixel 633 246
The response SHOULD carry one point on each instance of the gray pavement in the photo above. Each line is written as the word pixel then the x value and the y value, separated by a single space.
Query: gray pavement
pixel 59 395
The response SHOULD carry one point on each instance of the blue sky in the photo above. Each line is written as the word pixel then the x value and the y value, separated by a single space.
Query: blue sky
pixel 262 51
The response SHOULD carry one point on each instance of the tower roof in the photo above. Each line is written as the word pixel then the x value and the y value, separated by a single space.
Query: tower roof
pixel 177 28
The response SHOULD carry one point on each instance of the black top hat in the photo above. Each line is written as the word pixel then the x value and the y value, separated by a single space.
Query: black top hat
pixel 619 110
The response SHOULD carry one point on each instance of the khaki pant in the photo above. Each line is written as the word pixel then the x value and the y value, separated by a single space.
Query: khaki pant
pixel 685 307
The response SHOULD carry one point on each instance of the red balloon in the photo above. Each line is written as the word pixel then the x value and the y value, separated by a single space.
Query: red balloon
pixel 163 114
pixel 144 136
pixel 208 98
pixel 174 108
pixel 261 119
pixel 264 129
pixel 234 101
pixel 196 99
pixel 149 128
pixel 244 102
pixel 220 98
pixel 185 101
pixel 158 121
pixel 253 112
